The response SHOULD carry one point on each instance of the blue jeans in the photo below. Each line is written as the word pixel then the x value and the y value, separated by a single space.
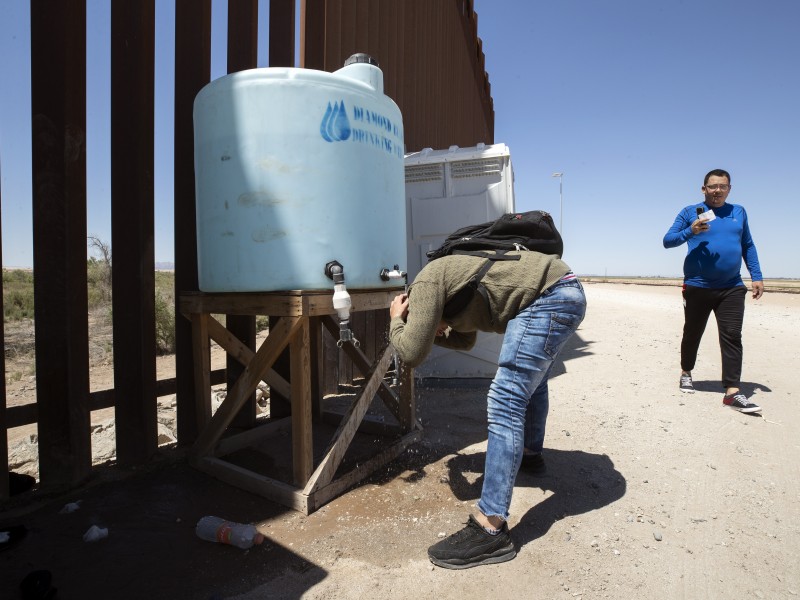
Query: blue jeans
pixel 518 398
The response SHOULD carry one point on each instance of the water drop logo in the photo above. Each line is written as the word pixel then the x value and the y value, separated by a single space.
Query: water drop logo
pixel 335 126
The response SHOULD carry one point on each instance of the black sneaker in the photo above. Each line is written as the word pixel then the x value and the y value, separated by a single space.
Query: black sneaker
pixel 740 402
pixel 686 384
pixel 472 546
pixel 533 464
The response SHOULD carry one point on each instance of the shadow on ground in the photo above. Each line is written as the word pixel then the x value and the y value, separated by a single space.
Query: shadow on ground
pixel 152 551
pixel 580 482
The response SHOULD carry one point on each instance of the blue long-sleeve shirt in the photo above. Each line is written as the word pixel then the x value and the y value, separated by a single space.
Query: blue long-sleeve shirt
pixel 714 257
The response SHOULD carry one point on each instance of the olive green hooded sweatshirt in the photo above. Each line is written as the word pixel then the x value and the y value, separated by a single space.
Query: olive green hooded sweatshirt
pixel 511 286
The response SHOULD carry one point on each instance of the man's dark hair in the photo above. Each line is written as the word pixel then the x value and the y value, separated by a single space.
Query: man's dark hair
pixel 717 173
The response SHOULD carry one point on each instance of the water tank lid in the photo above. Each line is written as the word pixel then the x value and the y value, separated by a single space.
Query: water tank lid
pixel 361 57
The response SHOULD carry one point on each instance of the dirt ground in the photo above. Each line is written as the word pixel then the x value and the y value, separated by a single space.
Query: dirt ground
pixel 650 493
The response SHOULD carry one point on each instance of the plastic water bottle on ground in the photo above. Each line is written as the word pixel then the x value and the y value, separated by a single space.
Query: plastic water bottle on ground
pixel 215 529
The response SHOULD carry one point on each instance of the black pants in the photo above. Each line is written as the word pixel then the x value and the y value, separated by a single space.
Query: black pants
pixel 728 307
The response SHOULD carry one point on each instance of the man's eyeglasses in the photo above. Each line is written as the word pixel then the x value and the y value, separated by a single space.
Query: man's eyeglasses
pixel 721 187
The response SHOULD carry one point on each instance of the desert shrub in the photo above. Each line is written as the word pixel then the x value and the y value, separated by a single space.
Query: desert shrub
pixel 17 295
pixel 98 283
pixel 165 312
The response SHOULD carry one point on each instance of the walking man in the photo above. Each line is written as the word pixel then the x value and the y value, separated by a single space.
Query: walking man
pixel 718 238
pixel 538 303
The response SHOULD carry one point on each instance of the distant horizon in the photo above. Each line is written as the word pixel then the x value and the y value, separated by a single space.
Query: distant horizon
pixel 170 266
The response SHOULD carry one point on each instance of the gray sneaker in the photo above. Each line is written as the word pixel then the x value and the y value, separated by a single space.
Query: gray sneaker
pixel 686 384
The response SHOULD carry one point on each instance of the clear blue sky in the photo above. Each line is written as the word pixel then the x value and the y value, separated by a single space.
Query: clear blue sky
pixel 633 100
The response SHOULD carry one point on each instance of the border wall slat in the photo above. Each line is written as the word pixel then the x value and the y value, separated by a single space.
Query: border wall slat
pixel 312 34
pixel 192 72
pixel 428 50
pixel 281 33
pixel 58 103
pixel 242 54
pixel 281 54
pixel 132 226
pixel 4 491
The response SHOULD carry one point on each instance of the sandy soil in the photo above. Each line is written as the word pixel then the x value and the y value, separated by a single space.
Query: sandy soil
pixel 650 493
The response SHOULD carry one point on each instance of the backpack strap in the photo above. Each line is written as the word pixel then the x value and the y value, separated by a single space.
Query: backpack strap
pixel 475 281
pixel 497 255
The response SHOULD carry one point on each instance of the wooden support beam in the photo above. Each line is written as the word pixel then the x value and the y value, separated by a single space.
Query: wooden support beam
pixel 201 350
pixel 245 385
pixel 347 428
pixel 248 438
pixel 235 348
pixel 324 494
pixel 300 375
pixel 282 304
pixel 311 488
pixel 242 478
pixel 362 364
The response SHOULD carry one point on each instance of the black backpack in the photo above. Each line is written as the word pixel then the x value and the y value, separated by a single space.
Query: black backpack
pixel 533 230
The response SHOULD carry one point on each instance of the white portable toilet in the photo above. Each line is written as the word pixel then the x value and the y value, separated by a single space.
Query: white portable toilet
pixel 446 190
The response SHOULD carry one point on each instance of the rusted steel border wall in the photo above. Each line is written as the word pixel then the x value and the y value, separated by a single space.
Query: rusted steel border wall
pixel 430 55
pixel 433 67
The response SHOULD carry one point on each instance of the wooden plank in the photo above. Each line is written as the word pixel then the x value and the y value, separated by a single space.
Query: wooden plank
pixel 315 350
pixel 242 304
pixel 370 424
pixel 248 438
pixel 239 477
pixel 291 303
pixel 319 305
pixel 408 402
pixel 243 329
pixel 262 360
pixel 348 427
pixel 300 375
pixel 360 361
pixel 201 351
pixel 234 347
pixel 323 495
pixel 58 157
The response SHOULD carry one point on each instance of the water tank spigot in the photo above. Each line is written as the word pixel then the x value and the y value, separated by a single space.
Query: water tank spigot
pixel 396 273
pixel 341 303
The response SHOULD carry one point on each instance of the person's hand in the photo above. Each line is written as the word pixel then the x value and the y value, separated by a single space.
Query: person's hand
pixel 758 289
pixel 699 226
pixel 399 307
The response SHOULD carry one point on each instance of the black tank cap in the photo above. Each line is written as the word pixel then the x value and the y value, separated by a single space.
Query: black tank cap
pixel 360 57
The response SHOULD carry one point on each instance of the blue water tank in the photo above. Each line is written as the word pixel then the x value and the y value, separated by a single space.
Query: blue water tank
pixel 295 168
